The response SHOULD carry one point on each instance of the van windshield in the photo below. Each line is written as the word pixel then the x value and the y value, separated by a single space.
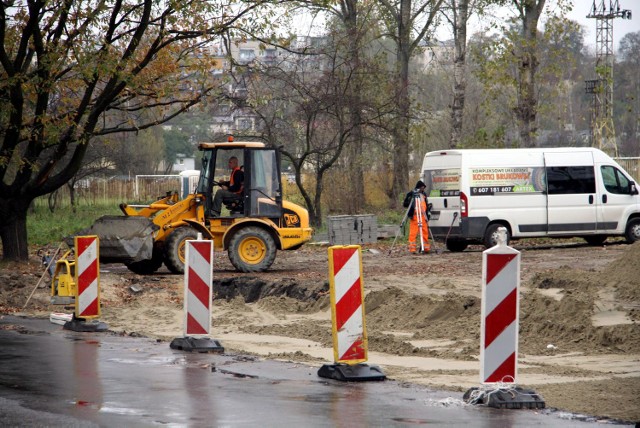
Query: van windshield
pixel 442 182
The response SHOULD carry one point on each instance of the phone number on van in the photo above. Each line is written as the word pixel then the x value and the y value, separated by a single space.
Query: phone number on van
pixel 492 190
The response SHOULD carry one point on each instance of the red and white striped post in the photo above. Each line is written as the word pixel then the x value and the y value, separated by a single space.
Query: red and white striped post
pixel 348 317
pixel 87 278
pixel 198 278
pixel 198 275
pixel 500 314
pixel 499 332
pixel 347 305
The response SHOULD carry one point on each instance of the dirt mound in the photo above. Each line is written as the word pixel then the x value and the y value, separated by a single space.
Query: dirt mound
pixel 565 321
pixel 252 289
pixel 17 281
pixel 393 308
pixel 452 317
pixel 625 273
pixel 567 324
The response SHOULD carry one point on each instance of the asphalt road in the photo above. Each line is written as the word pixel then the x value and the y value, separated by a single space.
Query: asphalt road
pixel 55 377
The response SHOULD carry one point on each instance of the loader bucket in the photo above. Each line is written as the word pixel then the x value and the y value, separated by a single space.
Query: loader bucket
pixel 122 239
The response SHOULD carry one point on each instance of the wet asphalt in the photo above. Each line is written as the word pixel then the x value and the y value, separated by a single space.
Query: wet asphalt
pixel 55 377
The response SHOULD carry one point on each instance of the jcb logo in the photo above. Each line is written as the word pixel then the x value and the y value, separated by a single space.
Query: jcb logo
pixel 291 220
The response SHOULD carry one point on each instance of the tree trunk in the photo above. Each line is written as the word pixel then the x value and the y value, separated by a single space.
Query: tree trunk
pixel 356 172
pixel 526 111
pixel 356 167
pixel 52 201
pixel 460 17
pixel 316 221
pixel 72 195
pixel 13 229
pixel 401 134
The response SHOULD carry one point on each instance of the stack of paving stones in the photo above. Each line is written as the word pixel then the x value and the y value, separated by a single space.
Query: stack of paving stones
pixel 352 229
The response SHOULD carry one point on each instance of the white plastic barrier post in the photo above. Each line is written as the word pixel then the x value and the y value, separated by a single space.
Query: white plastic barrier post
pixel 348 317
pixel 499 332
pixel 88 277
pixel 198 278
pixel 198 275
pixel 500 307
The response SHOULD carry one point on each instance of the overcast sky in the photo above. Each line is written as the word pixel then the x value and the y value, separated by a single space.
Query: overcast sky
pixel 621 26
pixel 579 14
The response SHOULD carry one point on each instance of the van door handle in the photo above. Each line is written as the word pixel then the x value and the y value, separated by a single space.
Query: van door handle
pixel 590 199
pixel 445 203
pixel 604 199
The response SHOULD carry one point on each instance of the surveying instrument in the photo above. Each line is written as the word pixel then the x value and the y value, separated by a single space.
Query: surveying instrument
pixel 415 202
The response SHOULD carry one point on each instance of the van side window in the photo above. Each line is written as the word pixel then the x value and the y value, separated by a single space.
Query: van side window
pixel 570 179
pixel 614 180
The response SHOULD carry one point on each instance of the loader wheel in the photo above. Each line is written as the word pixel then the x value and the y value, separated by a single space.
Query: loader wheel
pixel 175 248
pixel 147 267
pixel 252 250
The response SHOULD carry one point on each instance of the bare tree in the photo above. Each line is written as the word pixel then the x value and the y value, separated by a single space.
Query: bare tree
pixel 510 65
pixel 458 16
pixel 66 64
pixel 306 107
pixel 408 23
pixel 529 12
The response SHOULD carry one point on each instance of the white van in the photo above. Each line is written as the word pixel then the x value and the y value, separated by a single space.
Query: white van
pixel 559 192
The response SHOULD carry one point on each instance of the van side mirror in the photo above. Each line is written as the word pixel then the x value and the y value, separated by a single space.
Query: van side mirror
pixel 633 188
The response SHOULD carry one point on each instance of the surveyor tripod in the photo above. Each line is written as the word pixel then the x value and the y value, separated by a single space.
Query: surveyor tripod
pixel 420 217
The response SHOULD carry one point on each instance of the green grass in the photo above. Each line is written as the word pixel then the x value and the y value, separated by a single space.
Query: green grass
pixel 45 227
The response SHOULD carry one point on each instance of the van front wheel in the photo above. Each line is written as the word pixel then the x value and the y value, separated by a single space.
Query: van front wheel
pixel 632 233
pixel 491 235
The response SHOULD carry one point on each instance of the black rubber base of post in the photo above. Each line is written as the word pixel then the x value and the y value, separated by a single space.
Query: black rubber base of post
pixel 192 344
pixel 351 373
pixel 82 325
pixel 508 398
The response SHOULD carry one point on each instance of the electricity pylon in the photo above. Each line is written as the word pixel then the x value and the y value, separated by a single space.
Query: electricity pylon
pixel 603 133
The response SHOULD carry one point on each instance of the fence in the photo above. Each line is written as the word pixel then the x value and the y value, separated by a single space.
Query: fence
pixel 145 189
pixel 107 190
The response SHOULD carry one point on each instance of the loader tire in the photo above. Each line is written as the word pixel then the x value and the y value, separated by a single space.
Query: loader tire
pixel 252 250
pixel 147 267
pixel 175 247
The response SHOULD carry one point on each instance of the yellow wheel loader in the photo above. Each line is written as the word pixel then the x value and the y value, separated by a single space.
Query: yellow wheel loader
pixel 252 226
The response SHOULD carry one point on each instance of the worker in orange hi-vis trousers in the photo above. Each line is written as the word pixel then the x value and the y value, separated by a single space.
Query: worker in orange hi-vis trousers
pixel 418 219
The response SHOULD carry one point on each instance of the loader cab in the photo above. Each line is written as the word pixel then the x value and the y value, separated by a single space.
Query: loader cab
pixel 262 193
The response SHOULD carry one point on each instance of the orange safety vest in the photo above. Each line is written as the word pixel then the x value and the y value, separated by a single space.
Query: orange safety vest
pixel 231 181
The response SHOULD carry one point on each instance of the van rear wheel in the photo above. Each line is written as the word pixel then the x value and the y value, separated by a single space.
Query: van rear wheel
pixel 632 232
pixel 595 240
pixel 456 245
pixel 491 235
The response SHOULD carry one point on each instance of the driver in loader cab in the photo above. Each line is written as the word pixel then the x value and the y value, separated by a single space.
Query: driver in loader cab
pixel 231 189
